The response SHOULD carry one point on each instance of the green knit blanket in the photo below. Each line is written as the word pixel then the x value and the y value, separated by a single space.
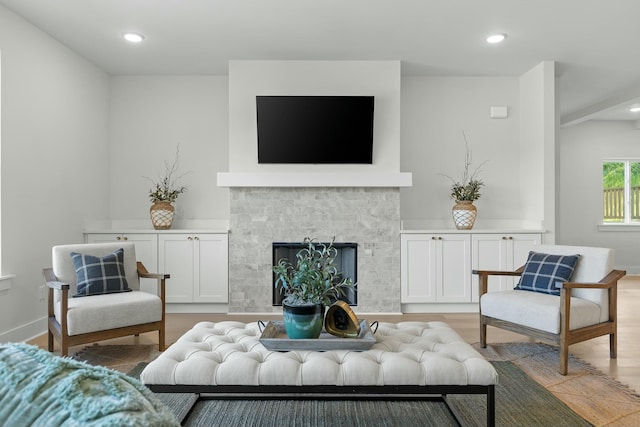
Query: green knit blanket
pixel 40 389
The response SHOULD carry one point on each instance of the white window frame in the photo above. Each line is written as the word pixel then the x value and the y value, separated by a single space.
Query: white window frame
pixel 627 224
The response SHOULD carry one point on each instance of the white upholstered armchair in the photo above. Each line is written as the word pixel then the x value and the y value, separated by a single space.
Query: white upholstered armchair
pixel 584 307
pixel 94 295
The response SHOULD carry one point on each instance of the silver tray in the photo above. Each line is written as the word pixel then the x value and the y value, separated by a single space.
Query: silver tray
pixel 274 337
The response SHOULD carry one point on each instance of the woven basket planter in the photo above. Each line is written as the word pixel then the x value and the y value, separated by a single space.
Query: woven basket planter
pixel 464 214
pixel 162 215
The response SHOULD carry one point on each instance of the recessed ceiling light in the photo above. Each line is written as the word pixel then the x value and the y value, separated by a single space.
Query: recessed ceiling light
pixel 635 109
pixel 496 38
pixel 133 37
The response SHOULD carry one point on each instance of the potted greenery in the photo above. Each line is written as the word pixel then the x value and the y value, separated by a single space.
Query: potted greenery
pixel 465 192
pixel 308 287
pixel 163 194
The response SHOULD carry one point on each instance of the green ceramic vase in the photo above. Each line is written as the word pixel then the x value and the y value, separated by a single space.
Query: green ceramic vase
pixel 303 321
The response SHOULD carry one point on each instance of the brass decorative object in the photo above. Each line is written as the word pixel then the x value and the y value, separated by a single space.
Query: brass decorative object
pixel 341 321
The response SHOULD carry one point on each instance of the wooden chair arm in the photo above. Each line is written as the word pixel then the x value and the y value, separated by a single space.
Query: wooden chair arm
pixel 58 285
pixel 609 281
pixel 160 277
pixel 497 273
pixel 484 277
pixel 142 272
pixel 52 281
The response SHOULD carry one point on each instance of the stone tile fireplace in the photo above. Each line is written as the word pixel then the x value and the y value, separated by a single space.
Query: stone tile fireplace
pixel 260 216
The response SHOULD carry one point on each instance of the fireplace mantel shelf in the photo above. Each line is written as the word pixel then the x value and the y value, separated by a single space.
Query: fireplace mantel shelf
pixel 314 179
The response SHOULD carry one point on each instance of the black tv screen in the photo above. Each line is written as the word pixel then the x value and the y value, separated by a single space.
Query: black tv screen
pixel 315 129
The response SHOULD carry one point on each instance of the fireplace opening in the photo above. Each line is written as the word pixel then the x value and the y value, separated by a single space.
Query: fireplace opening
pixel 346 262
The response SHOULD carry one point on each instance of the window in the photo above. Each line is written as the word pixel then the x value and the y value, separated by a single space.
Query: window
pixel 621 191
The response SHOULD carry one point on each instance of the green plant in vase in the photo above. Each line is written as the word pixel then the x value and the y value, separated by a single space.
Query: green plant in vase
pixel 164 193
pixel 308 285
pixel 465 192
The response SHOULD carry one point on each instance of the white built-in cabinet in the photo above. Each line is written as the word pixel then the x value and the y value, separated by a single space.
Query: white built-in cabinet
pixel 197 262
pixel 146 245
pixel 436 267
pixel 502 252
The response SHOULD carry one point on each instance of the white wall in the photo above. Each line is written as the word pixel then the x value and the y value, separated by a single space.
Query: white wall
pixel 150 116
pixel 582 149
pixel 55 162
pixel 250 78
pixel 435 113
pixel 537 140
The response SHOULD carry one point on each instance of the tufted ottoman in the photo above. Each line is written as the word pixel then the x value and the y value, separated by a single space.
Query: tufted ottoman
pixel 426 359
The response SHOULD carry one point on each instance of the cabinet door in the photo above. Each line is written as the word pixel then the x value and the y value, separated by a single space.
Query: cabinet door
pixel 146 252
pixel 453 262
pixel 211 268
pixel 417 268
pixel 522 244
pixel 490 253
pixel 176 257
pixel 501 252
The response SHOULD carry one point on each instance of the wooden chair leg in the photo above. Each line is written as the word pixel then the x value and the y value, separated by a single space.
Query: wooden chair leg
pixel 483 333
pixel 613 346
pixel 50 340
pixel 64 346
pixel 564 359
pixel 161 339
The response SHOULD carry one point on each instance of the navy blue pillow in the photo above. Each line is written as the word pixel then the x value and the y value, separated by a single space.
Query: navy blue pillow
pixel 543 271
pixel 97 275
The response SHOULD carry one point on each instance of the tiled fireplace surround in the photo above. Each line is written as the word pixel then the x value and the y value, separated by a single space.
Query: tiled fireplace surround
pixel 369 216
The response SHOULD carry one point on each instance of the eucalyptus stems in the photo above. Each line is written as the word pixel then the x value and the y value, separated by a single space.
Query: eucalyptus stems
pixel 167 188
pixel 314 279
pixel 468 188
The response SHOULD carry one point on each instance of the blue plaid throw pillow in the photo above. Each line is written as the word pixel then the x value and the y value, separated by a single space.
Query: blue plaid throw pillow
pixel 97 275
pixel 543 271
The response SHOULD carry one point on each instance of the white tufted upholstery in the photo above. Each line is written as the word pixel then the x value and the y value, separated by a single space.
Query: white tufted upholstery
pixel 407 353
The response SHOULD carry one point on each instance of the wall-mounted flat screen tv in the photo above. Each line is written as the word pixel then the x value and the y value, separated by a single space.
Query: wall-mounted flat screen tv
pixel 315 129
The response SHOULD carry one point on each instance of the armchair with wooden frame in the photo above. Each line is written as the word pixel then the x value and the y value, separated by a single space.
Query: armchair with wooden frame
pixel 586 307
pixel 74 320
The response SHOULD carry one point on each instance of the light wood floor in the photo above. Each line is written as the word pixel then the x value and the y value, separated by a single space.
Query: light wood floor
pixel 626 368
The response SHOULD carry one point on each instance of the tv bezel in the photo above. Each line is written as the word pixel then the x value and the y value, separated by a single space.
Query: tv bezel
pixel 358 157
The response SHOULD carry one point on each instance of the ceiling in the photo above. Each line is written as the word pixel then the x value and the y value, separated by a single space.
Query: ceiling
pixel 595 43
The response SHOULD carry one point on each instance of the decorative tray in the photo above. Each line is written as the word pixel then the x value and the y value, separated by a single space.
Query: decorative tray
pixel 274 337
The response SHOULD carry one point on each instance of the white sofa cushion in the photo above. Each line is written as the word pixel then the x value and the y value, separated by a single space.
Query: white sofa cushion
pixel 99 312
pixel 537 310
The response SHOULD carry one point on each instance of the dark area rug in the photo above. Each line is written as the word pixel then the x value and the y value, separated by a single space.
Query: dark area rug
pixel 588 392
pixel 520 401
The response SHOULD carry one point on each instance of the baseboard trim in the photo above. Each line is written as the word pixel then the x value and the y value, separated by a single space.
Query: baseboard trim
pixel 183 308
pixel 440 308
pixel 25 332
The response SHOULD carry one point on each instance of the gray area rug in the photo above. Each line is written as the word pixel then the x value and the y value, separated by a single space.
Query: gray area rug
pixel 596 397
pixel 520 401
